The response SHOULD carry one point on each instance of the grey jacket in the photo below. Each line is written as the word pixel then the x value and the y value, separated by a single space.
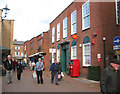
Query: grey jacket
pixel 110 80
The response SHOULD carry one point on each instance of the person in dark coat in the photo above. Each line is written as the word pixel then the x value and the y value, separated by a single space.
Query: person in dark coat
pixel 15 64
pixel 54 70
pixel 110 79
pixel 8 64
pixel 19 70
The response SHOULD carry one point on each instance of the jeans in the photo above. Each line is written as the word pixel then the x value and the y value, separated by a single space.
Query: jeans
pixel 9 75
pixel 56 77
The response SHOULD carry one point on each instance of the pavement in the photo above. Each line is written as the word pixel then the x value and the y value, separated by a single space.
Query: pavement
pixel 67 84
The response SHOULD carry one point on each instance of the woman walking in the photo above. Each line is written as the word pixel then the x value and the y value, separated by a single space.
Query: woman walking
pixel 19 70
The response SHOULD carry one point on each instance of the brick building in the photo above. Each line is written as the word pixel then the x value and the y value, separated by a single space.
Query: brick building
pixel 36 47
pixel 92 22
pixel 18 50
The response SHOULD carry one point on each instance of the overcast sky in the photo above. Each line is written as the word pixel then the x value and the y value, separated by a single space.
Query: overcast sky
pixel 32 17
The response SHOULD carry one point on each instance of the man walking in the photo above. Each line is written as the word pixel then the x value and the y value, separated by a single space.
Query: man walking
pixel 54 70
pixel 9 66
pixel 39 69
pixel 110 79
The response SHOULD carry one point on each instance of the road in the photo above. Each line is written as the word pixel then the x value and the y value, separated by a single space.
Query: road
pixel 68 84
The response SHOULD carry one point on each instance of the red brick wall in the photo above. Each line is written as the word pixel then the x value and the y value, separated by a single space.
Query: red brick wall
pixel 102 20
pixel 44 47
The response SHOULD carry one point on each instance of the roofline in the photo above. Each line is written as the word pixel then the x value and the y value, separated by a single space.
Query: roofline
pixel 63 11
pixel 18 44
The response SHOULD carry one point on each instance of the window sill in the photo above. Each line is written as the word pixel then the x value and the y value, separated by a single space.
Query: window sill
pixel 58 40
pixel 73 34
pixel 86 66
pixel 85 29
pixel 65 38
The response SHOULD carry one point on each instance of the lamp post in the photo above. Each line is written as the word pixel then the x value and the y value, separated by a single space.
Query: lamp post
pixel 5 11
pixel 104 39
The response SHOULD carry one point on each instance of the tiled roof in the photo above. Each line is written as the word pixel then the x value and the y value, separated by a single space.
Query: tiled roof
pixel 18 42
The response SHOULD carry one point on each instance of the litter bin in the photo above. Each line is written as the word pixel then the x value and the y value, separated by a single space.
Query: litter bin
pixel 74 68
pixel 94 73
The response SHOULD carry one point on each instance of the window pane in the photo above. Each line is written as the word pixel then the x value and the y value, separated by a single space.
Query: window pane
pixel 86 15
pixel 87 54
pixel 74 28
pixel 73 22
pixel 65 28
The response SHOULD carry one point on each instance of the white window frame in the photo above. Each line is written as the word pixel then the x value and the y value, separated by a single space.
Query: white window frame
pixel 117 12
pixel 53 34
pixel 73 23
pixel 65 28
pixel 58 55
pixel 53 57
pixel 58 31
pixel 84 64
pixel 17 54
pixel 22 54
pixel 25 47
pixel 84 16
pixel 17 48
pixel 74 49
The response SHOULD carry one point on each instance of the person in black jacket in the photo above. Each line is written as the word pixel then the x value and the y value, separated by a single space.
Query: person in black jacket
pixel 110 79
pixel 8 64
pixel 19 70
pixel 54 70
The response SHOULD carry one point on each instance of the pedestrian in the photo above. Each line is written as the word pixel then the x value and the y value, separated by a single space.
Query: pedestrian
pixel 8 64
pixel 54 70
pixel 33 65
pixel 15 64
pixel 39 70
pixel 110 79
pixel 19 69
pixel 30 65
pixel 23 64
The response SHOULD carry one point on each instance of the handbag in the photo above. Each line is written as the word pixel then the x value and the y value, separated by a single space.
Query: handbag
pixel 59 76
pixel 62 74
pixel 34 76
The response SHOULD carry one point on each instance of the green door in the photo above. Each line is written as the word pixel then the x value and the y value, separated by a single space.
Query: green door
pixel 64 57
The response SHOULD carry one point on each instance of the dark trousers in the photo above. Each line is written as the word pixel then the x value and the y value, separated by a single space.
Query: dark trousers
pixel 19 76
pixel 54 74
pixel 39 75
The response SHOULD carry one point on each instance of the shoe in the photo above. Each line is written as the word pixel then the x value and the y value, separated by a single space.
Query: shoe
pixel 57 84
pixel 10 81
pixel 38 82
pixel 42 83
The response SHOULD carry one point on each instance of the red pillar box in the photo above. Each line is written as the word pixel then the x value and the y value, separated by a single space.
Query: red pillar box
pixel 74 68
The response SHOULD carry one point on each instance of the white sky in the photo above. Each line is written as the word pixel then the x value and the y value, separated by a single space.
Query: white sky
pixel 32 17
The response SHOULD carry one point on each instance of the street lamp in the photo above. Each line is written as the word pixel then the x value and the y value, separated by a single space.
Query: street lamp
pixel 5 11
pixel 104 39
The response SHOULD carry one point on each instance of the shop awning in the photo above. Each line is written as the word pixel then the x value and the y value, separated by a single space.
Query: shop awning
pixel 4 48
pixel 39 53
